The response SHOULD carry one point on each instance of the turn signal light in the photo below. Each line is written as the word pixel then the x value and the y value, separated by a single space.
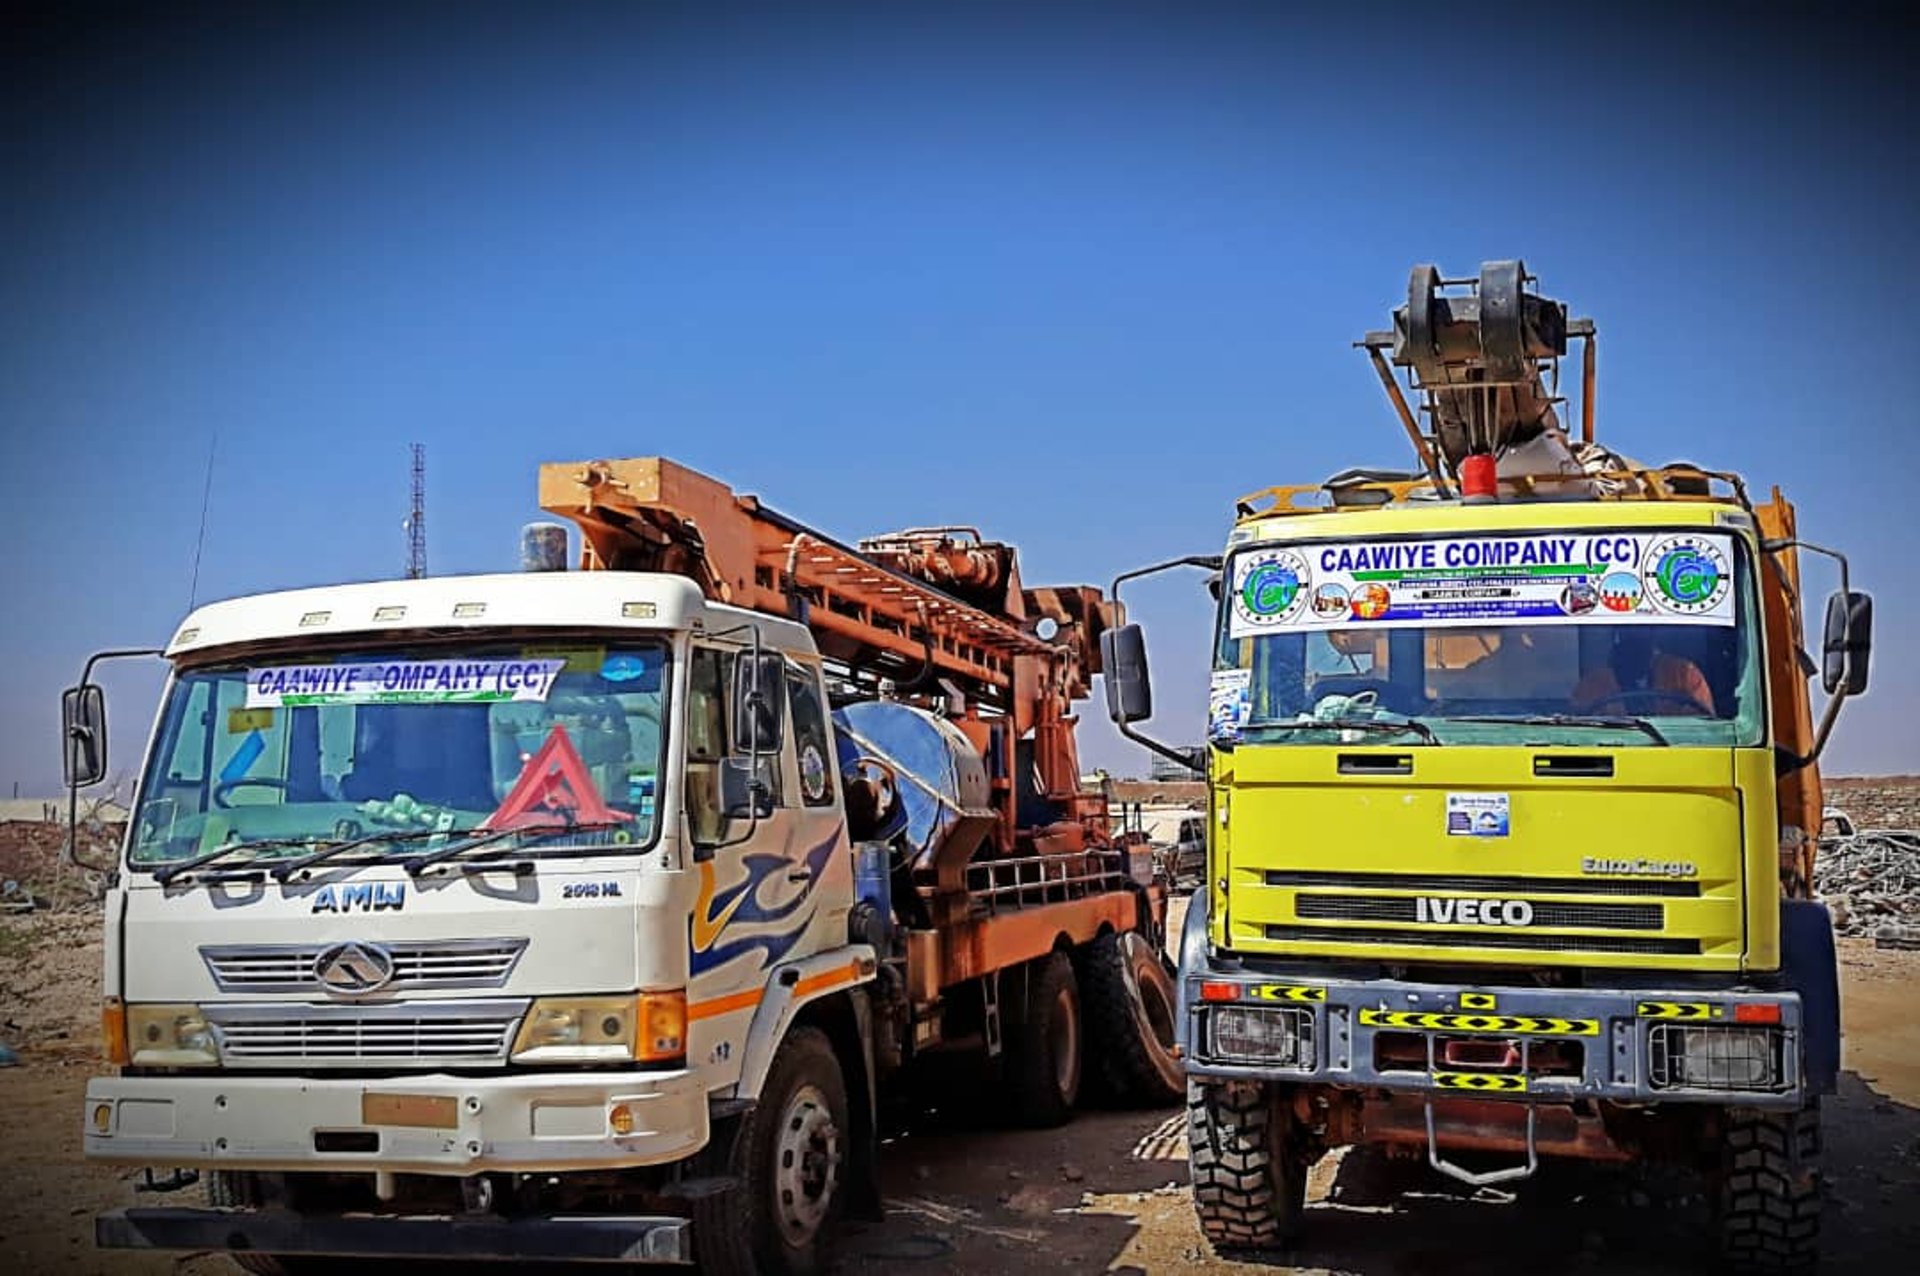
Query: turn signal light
pixel 663 1027
pixel 113 1031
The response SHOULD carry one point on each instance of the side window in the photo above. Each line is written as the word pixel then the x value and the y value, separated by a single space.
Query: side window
pixel 707 683
pixel 810 735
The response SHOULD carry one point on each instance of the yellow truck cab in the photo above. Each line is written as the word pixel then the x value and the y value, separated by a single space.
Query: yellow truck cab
pixel 1512 807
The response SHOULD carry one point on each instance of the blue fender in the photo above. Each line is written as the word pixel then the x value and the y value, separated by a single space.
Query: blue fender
pixel 1193 964
pixel 1811 969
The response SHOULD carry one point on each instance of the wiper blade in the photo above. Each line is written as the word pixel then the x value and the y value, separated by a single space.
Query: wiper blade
pixel 1349 724
pixel 420 863
pixel 281 872
pixel 167 873
pixel 1615 722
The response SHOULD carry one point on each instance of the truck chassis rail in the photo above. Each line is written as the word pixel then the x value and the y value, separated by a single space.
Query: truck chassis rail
pixel 548 1238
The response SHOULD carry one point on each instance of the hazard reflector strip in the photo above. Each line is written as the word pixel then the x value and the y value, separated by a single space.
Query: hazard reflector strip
pixel 1478 1001
pixel 1686 1010
pixel 1285 992
pixel 1479 1081
pixel 1505 1025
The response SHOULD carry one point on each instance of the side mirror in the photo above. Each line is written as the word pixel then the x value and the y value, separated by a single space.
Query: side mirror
pixel 1123 666
pixel 759 702
pixel 744 791
pixel 1849 640
pixel 83 730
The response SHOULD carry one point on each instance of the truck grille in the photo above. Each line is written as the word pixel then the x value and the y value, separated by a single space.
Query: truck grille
pixel 1491 884
pixel 430 963
pixel 1391 908
pixel 1503 939
pixel 474 1032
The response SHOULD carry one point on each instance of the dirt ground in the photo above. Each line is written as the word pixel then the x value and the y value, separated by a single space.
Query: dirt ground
pixel 1106 1193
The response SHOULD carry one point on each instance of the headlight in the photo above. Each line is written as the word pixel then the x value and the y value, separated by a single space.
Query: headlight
pixel 1280 1037
pixel 170 1036
pixel 650 1027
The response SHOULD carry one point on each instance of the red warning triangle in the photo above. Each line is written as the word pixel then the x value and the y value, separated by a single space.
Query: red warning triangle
pixel 554 788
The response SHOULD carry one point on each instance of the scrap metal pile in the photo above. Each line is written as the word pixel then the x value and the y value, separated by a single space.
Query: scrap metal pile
pixel 1870 880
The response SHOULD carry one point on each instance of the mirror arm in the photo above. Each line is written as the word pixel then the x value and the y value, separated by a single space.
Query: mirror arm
pixel 73 790
pixel 1192 759
pixel 1208 562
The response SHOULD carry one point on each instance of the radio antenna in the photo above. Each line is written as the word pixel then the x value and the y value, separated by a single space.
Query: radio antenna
pixel 206 497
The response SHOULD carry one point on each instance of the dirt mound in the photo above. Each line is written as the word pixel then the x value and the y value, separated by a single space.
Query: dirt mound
pixel 30 855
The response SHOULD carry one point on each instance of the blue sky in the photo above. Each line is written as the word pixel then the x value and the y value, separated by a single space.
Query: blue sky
pixel 1080 276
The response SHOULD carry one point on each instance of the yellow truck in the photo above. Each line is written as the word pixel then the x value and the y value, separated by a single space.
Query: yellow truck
pixel 1512 805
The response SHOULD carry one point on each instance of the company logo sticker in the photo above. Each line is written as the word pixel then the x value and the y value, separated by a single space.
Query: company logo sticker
pixel 1687 575
pixel 1270 589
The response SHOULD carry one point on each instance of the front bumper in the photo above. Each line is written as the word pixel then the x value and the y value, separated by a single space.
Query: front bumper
pixel 430 1124
pixel 1533 1045
pixel 582 1239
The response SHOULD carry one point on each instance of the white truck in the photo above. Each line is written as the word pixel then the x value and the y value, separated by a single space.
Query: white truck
pixel 583 915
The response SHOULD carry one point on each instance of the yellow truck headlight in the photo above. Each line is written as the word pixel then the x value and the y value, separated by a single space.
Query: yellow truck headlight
pixel 648 1027
pixel 170 1036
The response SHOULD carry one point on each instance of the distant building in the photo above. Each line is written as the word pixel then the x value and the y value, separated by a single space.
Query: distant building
pixel 1167 771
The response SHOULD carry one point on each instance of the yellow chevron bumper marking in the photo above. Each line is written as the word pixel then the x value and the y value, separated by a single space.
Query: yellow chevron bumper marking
pixel 1505 1025
pixel 1685 1010
pixel 1285 992
pixel 1479 1001
pixel 1484 1081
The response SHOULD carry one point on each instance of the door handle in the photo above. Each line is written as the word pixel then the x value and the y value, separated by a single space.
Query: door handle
pixel 799 875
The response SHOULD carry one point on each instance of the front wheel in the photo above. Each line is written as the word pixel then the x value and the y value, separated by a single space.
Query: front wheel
pixel 1769 1197
pixel 1249 1176
pixel 790 1160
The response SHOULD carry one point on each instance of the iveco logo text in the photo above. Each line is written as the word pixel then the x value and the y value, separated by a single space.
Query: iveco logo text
pixel 1640 868
pixel 1474 912
pixel 354 968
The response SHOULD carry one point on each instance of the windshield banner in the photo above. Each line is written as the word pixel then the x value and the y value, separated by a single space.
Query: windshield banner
pixel 1612 577
pixel 402 682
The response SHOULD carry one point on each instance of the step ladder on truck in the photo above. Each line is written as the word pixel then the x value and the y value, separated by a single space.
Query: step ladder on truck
pixel 1513 804
pixel 590 914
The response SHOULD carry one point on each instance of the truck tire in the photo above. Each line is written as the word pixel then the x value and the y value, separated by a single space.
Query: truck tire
pixel 789 1157
pixel 237 1189
pixel 1769 1197
pixel 1044 1058
pixel 1249 1180
pixel 1130 1008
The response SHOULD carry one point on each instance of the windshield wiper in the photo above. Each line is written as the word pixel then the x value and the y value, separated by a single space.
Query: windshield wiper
pixel 420 863
pixel 167 873
pixel 1620 722
pixel 281 872
pixel 1349 724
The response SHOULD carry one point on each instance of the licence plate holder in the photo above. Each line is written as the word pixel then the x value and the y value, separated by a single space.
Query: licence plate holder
pixel 418 1111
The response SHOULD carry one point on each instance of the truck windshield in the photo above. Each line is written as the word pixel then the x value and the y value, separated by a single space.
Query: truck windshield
pixel 395 747
pixel 1621 638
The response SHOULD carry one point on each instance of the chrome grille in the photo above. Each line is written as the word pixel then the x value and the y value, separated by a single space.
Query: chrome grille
pixel 468 1032
pixel 1507 939
pixel 427 963
pixel 1402 908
